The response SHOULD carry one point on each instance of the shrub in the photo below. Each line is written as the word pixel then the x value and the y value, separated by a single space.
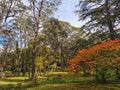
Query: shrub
pixel 8 73
pixel 57 79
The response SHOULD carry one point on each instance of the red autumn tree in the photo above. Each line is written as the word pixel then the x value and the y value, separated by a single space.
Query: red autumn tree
pixel 87 58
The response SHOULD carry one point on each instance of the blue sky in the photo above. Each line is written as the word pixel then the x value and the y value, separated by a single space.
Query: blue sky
pixel 66 10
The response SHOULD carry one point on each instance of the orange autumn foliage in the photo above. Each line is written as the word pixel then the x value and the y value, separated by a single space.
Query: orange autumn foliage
pixel 116 61
pixel 89 55
pixel 74 64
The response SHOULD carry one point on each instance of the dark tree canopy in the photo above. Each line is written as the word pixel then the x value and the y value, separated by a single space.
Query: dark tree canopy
pixel 100 15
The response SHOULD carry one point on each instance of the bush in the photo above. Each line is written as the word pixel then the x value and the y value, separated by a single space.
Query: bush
pixel 10 86
pixel 2 75
pixel 57 79
pixel 8 73
pixel 103 72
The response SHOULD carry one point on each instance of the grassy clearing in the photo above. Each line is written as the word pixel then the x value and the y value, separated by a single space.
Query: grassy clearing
pixel 68 81
pixel 14 80
pixel 76 86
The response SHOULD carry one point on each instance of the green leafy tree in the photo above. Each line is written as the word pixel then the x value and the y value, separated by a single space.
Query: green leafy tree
pixel 100 14
pixel 60 37
pixel 9 9
pixel 39 12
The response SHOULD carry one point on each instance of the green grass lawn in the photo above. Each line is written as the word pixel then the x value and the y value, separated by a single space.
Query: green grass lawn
pixel 76 86
pixel 68 81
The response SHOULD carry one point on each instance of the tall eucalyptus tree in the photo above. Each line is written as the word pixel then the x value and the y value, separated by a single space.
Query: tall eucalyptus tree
pixel 8 10
pixel 39 11
pixel 60 37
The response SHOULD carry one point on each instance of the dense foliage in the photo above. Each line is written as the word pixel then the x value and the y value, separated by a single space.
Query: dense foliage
pixel 100 15
pixel 99 59
pixel 33 42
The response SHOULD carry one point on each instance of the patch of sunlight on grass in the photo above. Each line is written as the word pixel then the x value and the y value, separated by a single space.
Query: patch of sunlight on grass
pixel 41 77
pixel 14 80
pixel 8 82
pixel 58 73
pixel 54 85
pixel 17 78
pixel 4 83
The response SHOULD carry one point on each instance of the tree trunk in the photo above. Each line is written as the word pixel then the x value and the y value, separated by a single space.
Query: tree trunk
pixel 62 58
pixel 25 54
pixel 29 72
pixel 112 32
pixel 34 51
pixel 109 22
pixel 37 16
pixel 33 70
pixel 33 73
pixel 49 61
pixel 103 78
pixel 19 56
pixel 23 68
pixel 117 73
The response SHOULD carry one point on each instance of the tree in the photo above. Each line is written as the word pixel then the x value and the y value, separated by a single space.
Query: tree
pixel 97 37
pixel 100 14
pixel 21 25
pixel 40 10
pixel 55 36
pixel 60 37
pixel 101 58
pixel 9 9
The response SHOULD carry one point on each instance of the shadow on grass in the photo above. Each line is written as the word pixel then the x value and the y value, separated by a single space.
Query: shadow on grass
pixel 66 82
pixel 75 86
pixel 15 80
pixel 54 84
pixel 17 86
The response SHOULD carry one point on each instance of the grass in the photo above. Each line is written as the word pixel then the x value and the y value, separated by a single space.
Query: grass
pixel 68 81
pixel 76 86
pixel 13 80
